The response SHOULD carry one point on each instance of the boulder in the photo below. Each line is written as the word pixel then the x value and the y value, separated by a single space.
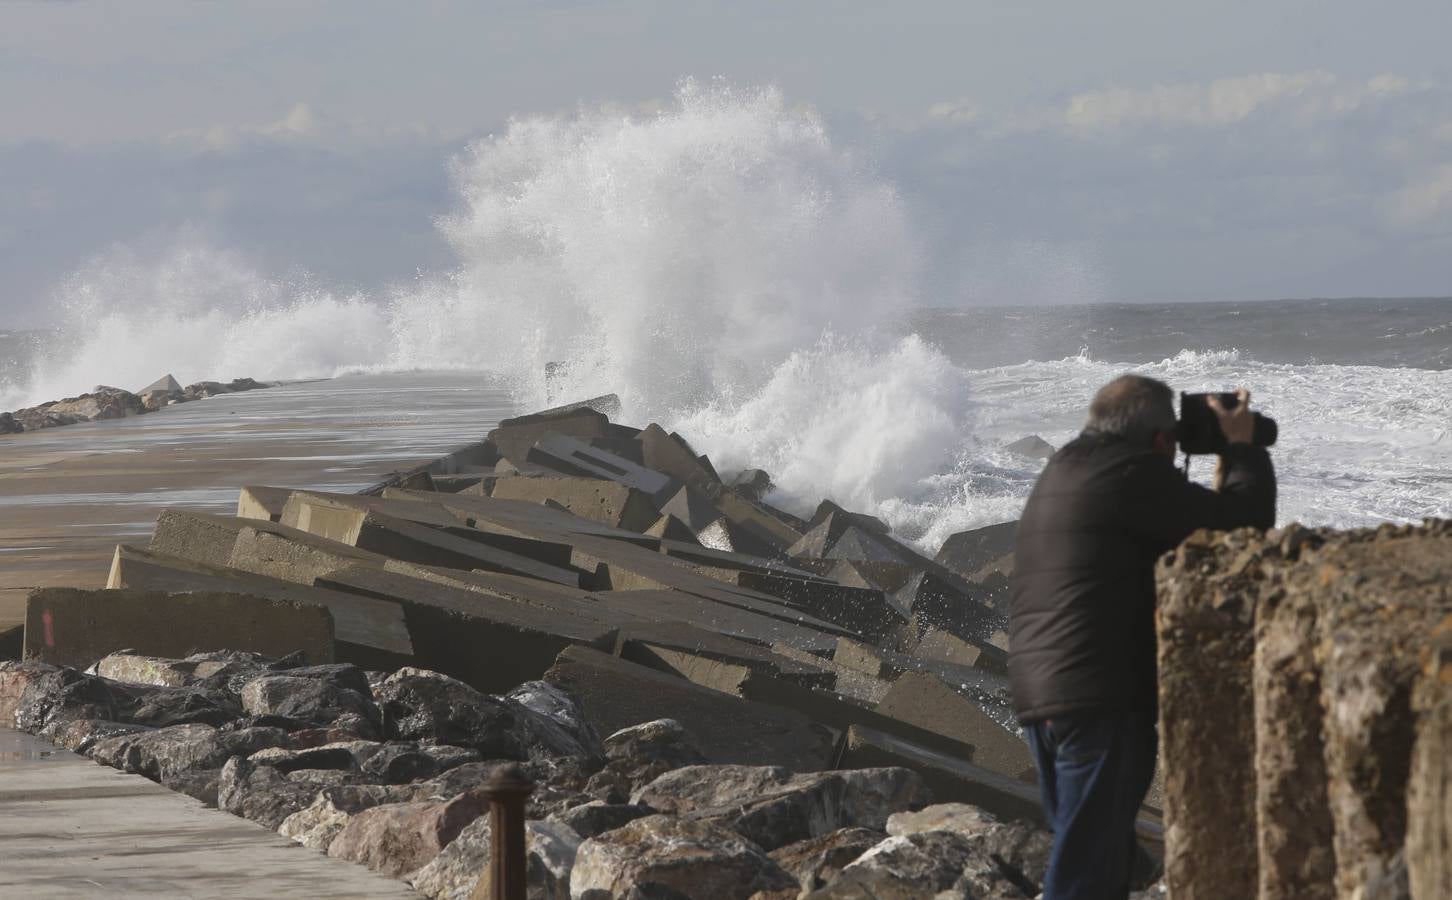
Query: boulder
pixel 79 735
pixel 261 793
pixel 164 754
pixel 815 862
pixel 398 838
pixel 1033 447
pixel 1020 846
pixel 424 705
pixel 316 826
pixel 773 808
pixel 598 817
pixel 317 701
pixel 1429 785
pixel 925 865
pixel 461 871
pixel 9 424
pixel 699 859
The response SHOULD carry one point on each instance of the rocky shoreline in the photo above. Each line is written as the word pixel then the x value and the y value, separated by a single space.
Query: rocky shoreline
pixel 105 402
pixel 714 698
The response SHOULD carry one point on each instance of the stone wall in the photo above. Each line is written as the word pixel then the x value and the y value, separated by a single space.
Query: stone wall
pixel 1304 685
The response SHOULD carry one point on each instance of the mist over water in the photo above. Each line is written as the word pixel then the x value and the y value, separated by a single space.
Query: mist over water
pixel 734 275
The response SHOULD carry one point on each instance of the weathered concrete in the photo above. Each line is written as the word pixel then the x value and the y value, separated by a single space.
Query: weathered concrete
pixel 969 553
pixel 491 643
pixel 261 502
pixel 712 660
pixel 1429 787
pixel 616 694
pixel 670 455
pixel 514 437
pixel 1206 639
pixel 367 632
pixel 576 457
pixel 597 500
pixel 669 528
pixel 920 699
pixel 722 618
pixel 950 778
pixel 73 829
pixel 77 627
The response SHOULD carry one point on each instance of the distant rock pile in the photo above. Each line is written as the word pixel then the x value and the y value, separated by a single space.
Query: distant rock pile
pixel 1306 709
pixel 114 403
pixel 781 699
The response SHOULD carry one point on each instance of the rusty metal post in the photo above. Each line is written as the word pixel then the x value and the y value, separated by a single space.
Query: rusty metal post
pixel 506 790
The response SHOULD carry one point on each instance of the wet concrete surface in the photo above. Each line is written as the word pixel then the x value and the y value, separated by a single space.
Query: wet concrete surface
pixel 74 829
pixel 69 495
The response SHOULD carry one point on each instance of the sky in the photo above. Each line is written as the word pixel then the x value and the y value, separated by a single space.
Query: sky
pixel 1066 152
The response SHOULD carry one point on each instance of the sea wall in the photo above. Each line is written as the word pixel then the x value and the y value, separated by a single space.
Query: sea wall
pixel 1305 678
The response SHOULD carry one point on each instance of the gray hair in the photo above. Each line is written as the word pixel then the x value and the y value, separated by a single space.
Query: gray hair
pixel 1133 407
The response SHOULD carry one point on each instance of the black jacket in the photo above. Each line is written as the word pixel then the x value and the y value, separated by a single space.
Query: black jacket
pixel 1081 632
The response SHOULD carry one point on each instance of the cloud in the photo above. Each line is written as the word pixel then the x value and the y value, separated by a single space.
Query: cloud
pixel 1221 102
pixel 1425 200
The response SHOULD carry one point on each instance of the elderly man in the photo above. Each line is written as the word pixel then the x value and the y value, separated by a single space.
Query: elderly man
pixel 1082 658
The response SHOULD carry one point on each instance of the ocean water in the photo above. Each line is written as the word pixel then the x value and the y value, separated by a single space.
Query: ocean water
pixel 735 275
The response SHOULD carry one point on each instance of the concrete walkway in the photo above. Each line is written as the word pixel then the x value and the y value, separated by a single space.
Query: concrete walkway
pixel 70 828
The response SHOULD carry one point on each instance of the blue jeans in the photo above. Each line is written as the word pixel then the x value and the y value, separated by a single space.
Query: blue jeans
pixel 1094 770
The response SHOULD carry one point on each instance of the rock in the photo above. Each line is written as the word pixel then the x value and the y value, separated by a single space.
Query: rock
pixel 347 756
pixel 816 861
pixel 316 701
pixel 461 871
pixel 316 826
pixel 166 753
pixel 926 865
pixel 400 763
pixel 42 696
pixel 424 705
pixel 773 808
pixel 163 706
pixel 1208 745
pixel 1019 846
pixel 398 838
pixel 261 793
pixel 595 817
pixel 559 714
pixel 698 858
pixel 1429 786
pixel 79 735
pixel 753 484
pixel 103 403
pixel 1033 446
pixel 661 740
pixel 9 424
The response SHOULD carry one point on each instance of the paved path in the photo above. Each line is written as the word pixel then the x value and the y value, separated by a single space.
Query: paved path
pixel 70 828
pixel 69 495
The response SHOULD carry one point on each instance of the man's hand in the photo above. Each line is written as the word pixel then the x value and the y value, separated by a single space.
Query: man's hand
pixel 1237 424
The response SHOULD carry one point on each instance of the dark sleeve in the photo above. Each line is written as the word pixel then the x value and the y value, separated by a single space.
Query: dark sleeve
pixel 1170 507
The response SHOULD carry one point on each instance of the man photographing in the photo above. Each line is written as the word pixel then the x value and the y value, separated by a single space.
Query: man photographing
pixel 1082 638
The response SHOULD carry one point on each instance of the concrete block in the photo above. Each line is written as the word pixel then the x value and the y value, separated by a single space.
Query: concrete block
pixel 968 552
pixel 745 513
pixel 1429 785
pixel 865 612
pixel 491 643
pixel 561 450
pixel 425 545
pixel 299 561
pixel 722 618
pixel 864 658
pixel 944 646
pixel 669 454
pixel 711 659
pixel 952 606
pixel 951 779
pixel 722 560
pixel 693 507
pixel 525 519
pixel 921 699
pixel 212 540
pixel 1207 723
pixel 607 502
pixel 616 694
pixel 260 502
pixel 670 529
pixel 850 683
pixel 370 633
pixel 626 448
pixel 725 536
pixel 71 627
pixel 514 437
